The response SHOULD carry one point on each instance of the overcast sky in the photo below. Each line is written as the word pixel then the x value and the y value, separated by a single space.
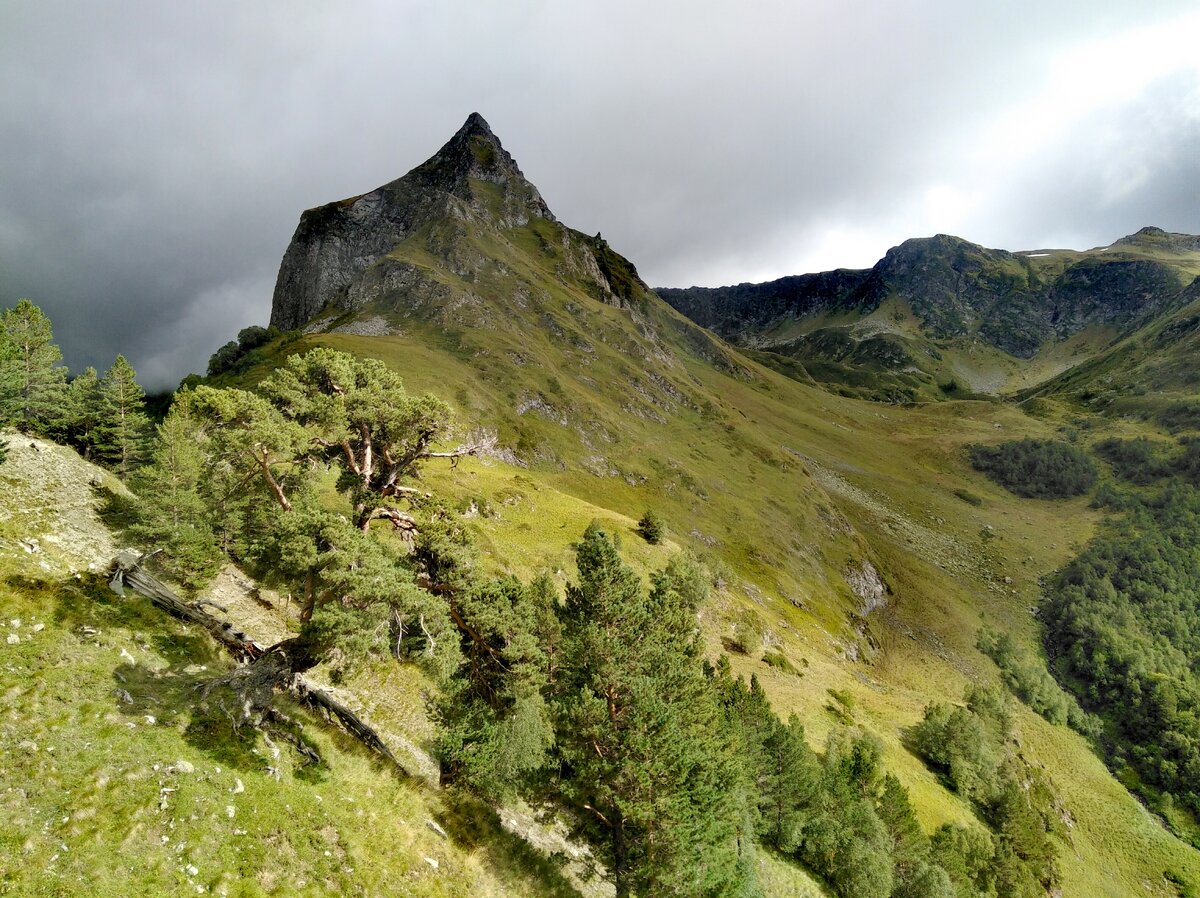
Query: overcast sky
pixel 155 156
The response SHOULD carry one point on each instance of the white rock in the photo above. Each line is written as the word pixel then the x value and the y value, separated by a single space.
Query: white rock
pixel 15 623
pixel 191 870
pixel 38 628
pixel 230 811
pixel 184 767
pixel 13 639
pixel 432 862
pixel 150 720
pixel 238 788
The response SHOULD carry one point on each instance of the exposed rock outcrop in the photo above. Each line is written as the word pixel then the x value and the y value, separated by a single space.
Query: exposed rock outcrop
pixel 342 258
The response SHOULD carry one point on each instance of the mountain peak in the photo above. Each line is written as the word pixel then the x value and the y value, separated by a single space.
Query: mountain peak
pixel 475 153
pixel 1151 236
pixel 476 124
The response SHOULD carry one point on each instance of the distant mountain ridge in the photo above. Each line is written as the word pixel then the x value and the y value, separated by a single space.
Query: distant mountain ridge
pixel 952 290
pixel 1014 301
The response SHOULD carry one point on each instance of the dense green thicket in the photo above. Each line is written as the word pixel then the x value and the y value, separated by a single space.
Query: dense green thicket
pixel 103 417
pixel 1142 461
pixel 239 355
pixel 1036 469
pixel 1122 622
pixel 1032 683
pixel 973 748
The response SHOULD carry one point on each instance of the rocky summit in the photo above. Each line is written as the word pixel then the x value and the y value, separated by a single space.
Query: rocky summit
pixel 339 256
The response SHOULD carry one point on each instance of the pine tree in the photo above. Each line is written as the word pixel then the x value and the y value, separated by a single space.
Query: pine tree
pixel 788 784
pixel 647 761
pixel 122 425
pixel 174 516
pixel 651 527
pixel 32 383
pixel 82 411
pixel 495 723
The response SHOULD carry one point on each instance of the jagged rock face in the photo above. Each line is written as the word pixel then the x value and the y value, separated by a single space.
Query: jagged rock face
pixel 1109 293
pixel 1012 301
pixel 735 312
pixel 331 259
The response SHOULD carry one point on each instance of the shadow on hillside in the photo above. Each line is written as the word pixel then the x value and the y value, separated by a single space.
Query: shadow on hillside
pixel 475 826
pixel 143 686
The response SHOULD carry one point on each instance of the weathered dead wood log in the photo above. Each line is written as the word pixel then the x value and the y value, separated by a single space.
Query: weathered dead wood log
pixel 129 572
pixel 318 699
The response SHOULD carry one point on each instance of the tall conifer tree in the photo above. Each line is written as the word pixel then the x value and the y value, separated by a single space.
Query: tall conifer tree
pixel 647 761
pixel 82 411
pixel 120 432
pixel 32 382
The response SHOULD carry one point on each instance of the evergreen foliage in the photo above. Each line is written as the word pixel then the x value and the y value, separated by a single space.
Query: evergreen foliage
pixel 972 747
pixel 1121 620
pixel 121 427
pixel 1031 682
pixel 1036 469
pixel 1140 461
pixel 495 727
pixel 651 527
pixel 644 759
pixel 231 477
pixel 174 515
pixel 82 411
pixel 357 415
pixel 32 382
pixel 238 355
pixel 1143 462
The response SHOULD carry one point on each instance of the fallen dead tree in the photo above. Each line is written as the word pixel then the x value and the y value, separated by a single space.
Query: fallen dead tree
pixel 262 669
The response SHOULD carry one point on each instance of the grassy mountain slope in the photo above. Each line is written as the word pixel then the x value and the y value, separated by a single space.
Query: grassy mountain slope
pixel 891 477
pixel 114 783
pixel 1152 373
pixel 607 401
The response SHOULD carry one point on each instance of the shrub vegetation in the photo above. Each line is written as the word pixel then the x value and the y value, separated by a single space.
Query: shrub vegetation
pixel 1036 469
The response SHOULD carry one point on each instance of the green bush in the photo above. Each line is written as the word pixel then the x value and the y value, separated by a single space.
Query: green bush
pixel 1032 683
pixel 651 527
pixel 969 497
pixel 1036 469
pixel 780 661
pixel 747 632
pixel 1139 461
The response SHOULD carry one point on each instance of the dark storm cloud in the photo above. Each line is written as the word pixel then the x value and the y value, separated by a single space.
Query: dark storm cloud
pixel 155 157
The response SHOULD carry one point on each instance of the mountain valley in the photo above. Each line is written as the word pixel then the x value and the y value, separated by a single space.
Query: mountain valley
pixel 808 440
